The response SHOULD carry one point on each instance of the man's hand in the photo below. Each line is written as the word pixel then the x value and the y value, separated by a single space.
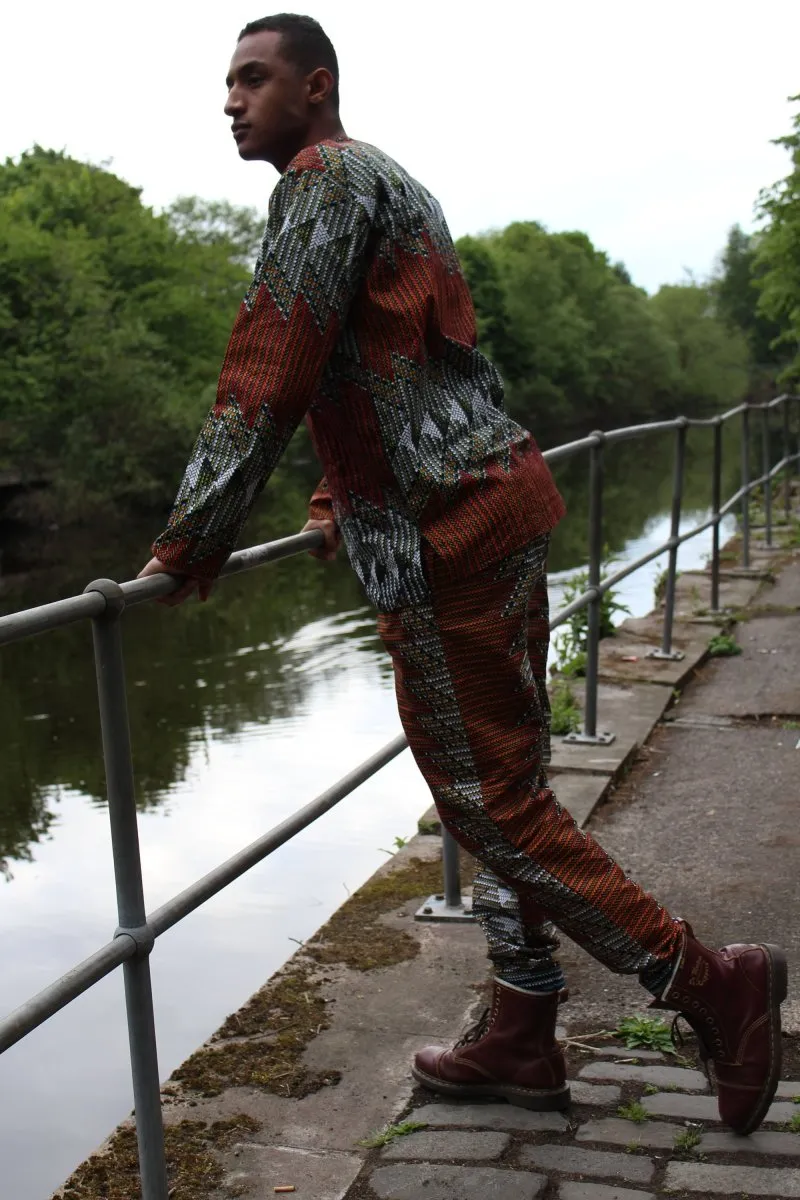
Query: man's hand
pixel 333 539
pixel 156 567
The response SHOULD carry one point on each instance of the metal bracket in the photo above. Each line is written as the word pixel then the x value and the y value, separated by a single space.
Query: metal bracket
pixel 436 908
pixel 142 936
pixel 589 739
pixel 111 592
pixel 666 655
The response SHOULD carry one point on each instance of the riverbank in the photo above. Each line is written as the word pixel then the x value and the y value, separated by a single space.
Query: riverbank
pixel 251 1109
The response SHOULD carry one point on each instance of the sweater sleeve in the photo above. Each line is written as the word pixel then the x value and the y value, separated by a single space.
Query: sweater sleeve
pixel 312 261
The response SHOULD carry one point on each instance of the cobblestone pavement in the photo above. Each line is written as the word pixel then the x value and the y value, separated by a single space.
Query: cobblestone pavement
pixel 675 1147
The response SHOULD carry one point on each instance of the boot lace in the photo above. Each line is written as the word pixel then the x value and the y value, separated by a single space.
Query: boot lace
pixel 476 1031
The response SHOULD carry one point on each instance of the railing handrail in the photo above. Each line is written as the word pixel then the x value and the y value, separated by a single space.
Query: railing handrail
pixel 103 603
pixel 28 622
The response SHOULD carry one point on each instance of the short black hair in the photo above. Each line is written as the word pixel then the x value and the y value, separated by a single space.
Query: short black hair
pixel 303 42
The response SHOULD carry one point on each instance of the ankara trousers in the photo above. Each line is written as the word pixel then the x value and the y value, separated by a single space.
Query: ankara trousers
pixel 470 673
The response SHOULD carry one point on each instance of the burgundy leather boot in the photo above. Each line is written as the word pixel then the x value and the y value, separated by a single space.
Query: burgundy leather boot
pixel 732 1000
pixel 511 1053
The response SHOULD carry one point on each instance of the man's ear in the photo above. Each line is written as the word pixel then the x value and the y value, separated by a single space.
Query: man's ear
pixel 320 84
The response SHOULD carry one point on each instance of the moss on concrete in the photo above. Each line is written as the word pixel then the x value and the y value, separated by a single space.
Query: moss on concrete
pixel 354 936
pixel 262 1045
pixel 193 1168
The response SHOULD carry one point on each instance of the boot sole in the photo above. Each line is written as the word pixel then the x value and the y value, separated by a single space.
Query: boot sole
pixel 778 989
pixel 531 1098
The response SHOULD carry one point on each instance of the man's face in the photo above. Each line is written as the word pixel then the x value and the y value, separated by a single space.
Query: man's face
pixel 268 99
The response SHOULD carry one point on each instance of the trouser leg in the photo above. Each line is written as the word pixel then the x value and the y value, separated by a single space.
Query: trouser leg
pixel 473 705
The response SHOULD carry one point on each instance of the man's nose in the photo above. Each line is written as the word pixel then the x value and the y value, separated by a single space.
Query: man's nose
pixel 234 105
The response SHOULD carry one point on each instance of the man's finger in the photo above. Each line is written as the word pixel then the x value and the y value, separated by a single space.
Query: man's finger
pixel 178 597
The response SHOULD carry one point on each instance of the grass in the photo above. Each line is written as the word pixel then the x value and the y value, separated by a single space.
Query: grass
pixel 650 1090
pixel 385 1136
pixel 722 645
pixel 645 1033
pixel 794 1124
pixel 566 716
pixel 660 588
pixel 687 1139
pixel 634 1111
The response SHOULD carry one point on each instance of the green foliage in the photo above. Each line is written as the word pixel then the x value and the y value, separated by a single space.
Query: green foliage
pixel 722 645
pixel 736 289
pixel 113 322
pixel 660 587
pixel 712 357
pixel 778 253
pixel 573 338
pixel 634 1111
pixel 687 1139
pixel 645 1033
pixel 399 843
pixel 565 713
pixel 572 640
pixel 794 1123
pixel 385 1136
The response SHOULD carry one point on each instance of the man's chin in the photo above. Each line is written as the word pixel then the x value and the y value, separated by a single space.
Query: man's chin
pixel 247 152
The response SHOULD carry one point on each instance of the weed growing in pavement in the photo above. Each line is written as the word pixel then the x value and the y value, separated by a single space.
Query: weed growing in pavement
pixel 385 1136
pixel 572 639
pixel 650 1090
pixel 635 1111
pixel 722 645
pixel 645 1033
pixel 399 842
pixel 687 1139
pixel 794 1124
pixel 565 714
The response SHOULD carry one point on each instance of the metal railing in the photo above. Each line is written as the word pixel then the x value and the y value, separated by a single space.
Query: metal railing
pixel 104 601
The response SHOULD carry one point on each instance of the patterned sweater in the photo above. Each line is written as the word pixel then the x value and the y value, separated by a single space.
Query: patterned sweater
pixel 359 319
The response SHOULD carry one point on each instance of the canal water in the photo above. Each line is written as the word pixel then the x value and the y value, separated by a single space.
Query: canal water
pixel 241 711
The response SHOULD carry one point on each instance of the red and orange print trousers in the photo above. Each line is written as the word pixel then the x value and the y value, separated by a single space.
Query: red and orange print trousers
pixel 470 673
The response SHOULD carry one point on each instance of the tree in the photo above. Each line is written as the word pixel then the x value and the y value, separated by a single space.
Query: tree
pixel 735 287
pixel 712 358
pixel 575 341
pixel 113 323
pixel 778 253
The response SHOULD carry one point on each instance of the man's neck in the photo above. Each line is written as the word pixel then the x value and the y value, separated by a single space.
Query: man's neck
pixel 326 129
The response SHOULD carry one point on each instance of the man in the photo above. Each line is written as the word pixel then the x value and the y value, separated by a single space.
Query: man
pixel 359 320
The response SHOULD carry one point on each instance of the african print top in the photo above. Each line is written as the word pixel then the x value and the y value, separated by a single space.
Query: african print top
pixel 359 319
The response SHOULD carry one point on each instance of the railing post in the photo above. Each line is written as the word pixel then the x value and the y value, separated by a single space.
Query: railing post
pixel 766 467
pixel 716 500
pixel 110 668
pixel 666 651
pixel 787 450
pixel 589 735
pixel 746 487
pixel 451 905
pixel 451 869
pixel 595 566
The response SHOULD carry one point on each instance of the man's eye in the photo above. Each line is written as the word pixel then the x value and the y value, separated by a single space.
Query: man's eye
pixel 254 80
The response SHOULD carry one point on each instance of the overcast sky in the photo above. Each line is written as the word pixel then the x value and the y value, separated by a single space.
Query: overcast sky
pixel 647 124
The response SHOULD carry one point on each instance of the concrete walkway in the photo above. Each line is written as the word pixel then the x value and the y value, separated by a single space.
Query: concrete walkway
pixel 699 801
